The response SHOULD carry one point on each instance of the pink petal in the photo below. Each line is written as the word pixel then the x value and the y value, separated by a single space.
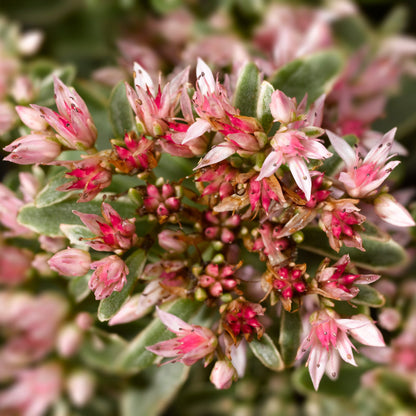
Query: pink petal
pixel 197 129
pixel 142 79
pixel 216 154
pixel 270 165
pixel 343 149
pixel 173 323
pixel 317 361
pixel 205 79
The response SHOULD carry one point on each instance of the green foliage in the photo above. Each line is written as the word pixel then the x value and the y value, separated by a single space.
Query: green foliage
pixel 289 337
pixel 266 351
pixel 247 90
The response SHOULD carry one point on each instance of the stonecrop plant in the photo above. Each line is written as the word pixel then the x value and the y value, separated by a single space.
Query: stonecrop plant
pixel 239 210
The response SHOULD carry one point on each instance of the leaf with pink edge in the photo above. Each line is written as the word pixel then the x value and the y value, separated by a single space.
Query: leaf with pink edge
pixel 263 112
pixel 368 296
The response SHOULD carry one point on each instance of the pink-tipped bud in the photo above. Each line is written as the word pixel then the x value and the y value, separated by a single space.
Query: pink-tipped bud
pixel 32 118
pixel 223 374
pixel 84 320
pixel 282 107
pixel 172 241
pixel 69 340
pixel 389 319
pixel 71 262
pixel 110 275
pixel 80 386
pixel 391 211
pixel 31 149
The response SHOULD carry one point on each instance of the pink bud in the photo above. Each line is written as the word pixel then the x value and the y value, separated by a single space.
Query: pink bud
pixel 282 107
pixel 391 211
pixel 389 319
pixel 84 320
pixel 223 374
pixel 110 275
pixel 68 340
pixel 172 241
pixel 71 262
pixel 33 148
pixel 80 386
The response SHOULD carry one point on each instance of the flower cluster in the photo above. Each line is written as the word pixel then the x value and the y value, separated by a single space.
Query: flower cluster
pixel 228 204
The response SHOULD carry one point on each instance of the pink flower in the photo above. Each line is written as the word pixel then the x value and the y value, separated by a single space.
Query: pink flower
pixel 70 262
pixel 9 209
pixel 363 176
pixel 161 200
pixel 34 392
pixel 192 343
pixel 340 220
pixel 91 174
pixel 113 232
pixel 109 276
pixel 335 283
pixel 73 123
pixel 173 241
pixel 14 265
pixel 137 156
pixel 296 142
pixel 154 107
pixel 328 341
pixel 223 374
pixel 33 148
pixel 391 211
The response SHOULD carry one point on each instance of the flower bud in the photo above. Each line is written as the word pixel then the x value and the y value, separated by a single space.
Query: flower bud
pixel 69 340
pixel 391 211
pixel 172 241
pixel 71 262
pixel 282 107
pixel 80 386
pixel 223 374
pixel 33 148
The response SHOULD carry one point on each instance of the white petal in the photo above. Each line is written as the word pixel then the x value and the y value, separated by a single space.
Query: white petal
pixel 301 175
pixel 197 129
pixel 216 154
pixel 205 79
pixel 270 165
pixel 344 348
pixel 368 334
pixel 380 151
pixel 142 79
pixel 317 361
pixel 343 149
pixel 332 367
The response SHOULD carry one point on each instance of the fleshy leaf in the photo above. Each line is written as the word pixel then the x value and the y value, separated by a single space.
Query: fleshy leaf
pixel 264 114
pixel 76 234
pixel 100 349
pixel 110 306
pixel 121 113
pixel 313 75
pixel 78 287
pixel 49 195
pixel 289 338
pixel 382 252
pixel 368 296
pixel 47 220
pixel 247 90
pixel 352 31
pixel 266 351
pixel 136 357
pixel 158 392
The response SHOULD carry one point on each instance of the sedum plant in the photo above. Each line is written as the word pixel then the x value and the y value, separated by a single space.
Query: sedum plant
pixel 229 217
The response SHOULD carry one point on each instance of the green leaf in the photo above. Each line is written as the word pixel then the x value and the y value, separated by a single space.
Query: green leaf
pixel 289 338
pixel 78 287
pixel 77 234
pixel 313 75
pixel 264 114
pixel 368 296
pixel 352 31
pixel 121 113
pixel 382 252
pixel 135 357
pixel 157 394
pixel 110 306
pixel 49 195
pixel 47 220
pixel 174 168
pixel 396 21
pixel 333 164
pixel 266 351
pixel 100 349
pixel 247 90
